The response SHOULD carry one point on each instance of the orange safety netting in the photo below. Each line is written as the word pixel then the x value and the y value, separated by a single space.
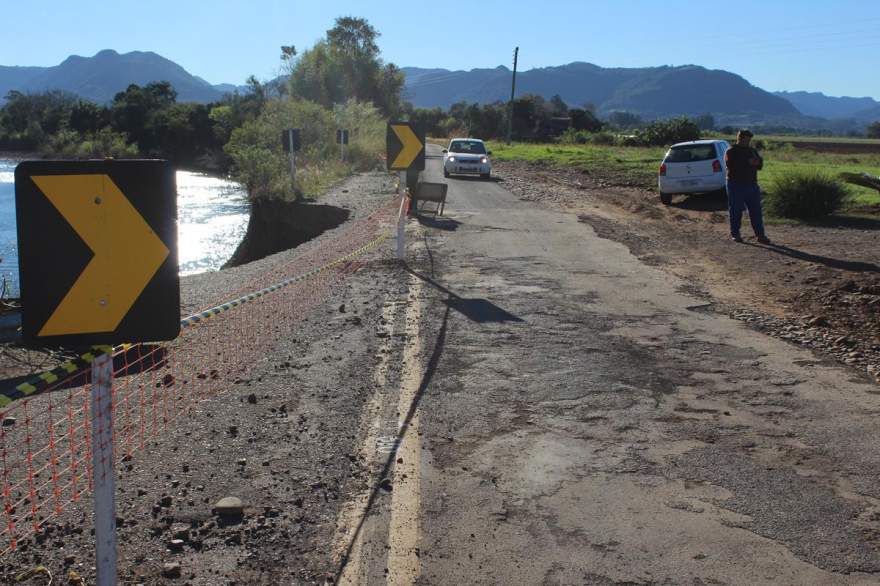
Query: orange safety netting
pixel 45 439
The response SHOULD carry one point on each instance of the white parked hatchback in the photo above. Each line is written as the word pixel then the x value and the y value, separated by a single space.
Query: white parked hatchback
pixel 467 155
pixel 693 167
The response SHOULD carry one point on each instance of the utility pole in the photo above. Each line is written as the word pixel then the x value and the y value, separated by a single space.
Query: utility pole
pixel 512 94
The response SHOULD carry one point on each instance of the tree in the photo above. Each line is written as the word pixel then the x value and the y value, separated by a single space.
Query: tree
pixel 345 65
pixel 625 119
pixel 584 120
pixel 531 115
pixel 558 106
pixel 87 116
pixel 137 111
pixel 26 120
pixel 873 130
pixel 705 121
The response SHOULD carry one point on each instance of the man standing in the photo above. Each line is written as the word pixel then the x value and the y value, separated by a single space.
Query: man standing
pixel 743 163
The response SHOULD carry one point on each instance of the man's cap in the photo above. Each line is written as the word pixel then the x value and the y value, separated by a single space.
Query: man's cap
pixel 744 132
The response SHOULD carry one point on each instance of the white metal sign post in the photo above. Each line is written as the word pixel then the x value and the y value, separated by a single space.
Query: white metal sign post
pixel 401 216
pixel 292 154
pixel 104 469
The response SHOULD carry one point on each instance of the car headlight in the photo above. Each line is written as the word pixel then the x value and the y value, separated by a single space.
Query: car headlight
pixel 484 160
pixel 451 159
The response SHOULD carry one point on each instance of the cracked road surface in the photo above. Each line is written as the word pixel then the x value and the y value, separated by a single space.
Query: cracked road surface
pixel 583 418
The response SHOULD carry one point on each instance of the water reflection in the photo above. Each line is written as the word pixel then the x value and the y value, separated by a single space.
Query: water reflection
pixel 212 215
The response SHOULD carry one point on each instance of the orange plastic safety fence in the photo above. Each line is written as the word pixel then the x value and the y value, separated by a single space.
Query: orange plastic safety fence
pixel 45 440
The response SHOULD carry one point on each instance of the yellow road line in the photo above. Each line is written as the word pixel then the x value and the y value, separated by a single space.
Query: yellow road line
pixel 404 530
pixel 354 573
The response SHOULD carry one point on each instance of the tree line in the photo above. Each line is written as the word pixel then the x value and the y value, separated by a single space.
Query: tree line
pixel 326 87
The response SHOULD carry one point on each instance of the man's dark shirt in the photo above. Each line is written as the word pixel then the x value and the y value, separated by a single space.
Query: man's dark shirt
pixel 739 170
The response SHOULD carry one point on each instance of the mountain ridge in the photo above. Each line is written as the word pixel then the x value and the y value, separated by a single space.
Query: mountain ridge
pixel 824 106
pixel 107 72
pixel 652 92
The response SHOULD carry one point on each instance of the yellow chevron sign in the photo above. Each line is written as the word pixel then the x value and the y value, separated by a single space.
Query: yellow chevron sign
pixel 405 147
pixel 89 254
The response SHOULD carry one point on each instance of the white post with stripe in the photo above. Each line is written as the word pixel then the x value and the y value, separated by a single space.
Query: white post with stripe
pixel 104 469
pixel 401 216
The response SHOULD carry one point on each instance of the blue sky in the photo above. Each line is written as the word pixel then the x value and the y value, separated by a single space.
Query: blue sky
pixel 829 45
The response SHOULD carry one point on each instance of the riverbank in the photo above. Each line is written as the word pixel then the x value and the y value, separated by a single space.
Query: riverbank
pixel 356 197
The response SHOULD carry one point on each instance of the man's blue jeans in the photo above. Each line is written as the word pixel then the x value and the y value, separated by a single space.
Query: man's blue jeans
pixel 741 196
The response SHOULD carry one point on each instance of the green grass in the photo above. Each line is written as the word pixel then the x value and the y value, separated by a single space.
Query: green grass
pixel 638 165
pixel 635 165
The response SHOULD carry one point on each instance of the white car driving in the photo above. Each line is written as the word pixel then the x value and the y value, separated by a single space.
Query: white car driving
pixel 693 167
pixel 467 155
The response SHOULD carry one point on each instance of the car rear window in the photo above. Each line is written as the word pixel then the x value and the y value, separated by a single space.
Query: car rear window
pixel 691 152
pixel 467 146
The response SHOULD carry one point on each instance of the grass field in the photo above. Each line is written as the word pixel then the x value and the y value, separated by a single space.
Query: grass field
pixel 638 165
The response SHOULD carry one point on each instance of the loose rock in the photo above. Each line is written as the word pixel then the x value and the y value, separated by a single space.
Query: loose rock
pixel 229 506
pixel 171 570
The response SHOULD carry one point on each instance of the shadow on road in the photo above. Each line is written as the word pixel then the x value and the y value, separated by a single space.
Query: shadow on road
pixel 715 201
pixel 849 222
pixel 478 310
pixel 845 265
pixel 446 224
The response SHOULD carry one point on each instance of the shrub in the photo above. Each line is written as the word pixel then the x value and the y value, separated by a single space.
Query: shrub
pixel 806 195
pixel 104 143
pixel 603 138
pixel 572 136
pixel 260 163
pixel 664 132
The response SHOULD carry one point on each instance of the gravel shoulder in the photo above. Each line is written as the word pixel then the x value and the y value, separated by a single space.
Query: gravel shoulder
pixel 283 438
pixel 817 285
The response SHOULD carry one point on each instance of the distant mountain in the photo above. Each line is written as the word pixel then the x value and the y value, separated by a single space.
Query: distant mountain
pixel 869 115
pixel 99 78
pixel 650 91
pixel 818 104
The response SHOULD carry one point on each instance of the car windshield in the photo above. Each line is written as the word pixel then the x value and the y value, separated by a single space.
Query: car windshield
pixel 691 152
pixel 467 146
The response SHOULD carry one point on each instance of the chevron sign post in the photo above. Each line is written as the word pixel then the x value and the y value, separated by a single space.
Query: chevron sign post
pixel 405 145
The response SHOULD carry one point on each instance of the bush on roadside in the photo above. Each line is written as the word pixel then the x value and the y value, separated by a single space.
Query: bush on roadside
pixel 666 132
pixel 806 195
pixel 260 163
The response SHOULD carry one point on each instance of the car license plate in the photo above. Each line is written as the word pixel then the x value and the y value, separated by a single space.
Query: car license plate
pixel 690 182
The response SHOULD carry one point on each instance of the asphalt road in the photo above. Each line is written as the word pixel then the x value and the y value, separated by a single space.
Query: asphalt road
pixel 569 415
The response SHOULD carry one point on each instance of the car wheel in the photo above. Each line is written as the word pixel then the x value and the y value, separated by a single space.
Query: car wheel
pixel 666 198
pixel 445 173
pixel 485 175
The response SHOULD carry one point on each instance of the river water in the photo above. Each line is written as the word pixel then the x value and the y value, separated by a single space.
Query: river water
pixel 212 216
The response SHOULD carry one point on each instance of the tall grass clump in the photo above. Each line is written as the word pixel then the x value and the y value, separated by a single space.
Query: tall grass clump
pixel 572 136
pixel 806 195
